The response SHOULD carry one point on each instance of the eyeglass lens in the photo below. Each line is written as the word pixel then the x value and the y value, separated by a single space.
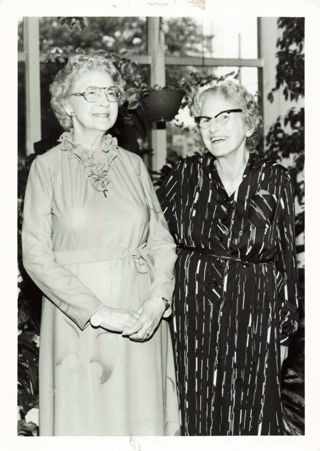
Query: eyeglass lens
pixel 220 119
pixel 93 93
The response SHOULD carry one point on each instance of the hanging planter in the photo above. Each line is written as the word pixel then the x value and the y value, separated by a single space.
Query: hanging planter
pixel 162 104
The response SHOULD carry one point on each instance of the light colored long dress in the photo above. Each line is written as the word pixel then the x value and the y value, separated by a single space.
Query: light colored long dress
pixel 83 248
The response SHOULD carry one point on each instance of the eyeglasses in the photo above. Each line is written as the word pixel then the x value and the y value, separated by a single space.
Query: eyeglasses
pixel 93 93
pixel 221 118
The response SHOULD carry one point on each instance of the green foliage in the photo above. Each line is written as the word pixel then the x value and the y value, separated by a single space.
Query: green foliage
pixel 29 304
pixel 185 37
pixel 285 138
pixel 121 35
pixel 290 66
pixel 27 428
pixel 284 141
pixel 27 371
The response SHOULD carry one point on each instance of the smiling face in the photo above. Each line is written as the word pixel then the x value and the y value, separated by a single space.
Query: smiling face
pixel 97 116
pixel 224 139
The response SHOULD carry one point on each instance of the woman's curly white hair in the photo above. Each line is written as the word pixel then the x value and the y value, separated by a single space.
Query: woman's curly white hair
pixel 242 98
pixel 60 89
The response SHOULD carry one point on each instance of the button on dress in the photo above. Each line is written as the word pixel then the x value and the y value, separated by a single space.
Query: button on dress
pixel 82 249
pixel 235 298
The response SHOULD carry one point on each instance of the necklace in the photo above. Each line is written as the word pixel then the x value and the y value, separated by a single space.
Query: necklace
pixel 96 163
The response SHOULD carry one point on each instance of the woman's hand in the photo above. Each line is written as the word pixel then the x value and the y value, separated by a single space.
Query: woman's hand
pixel 151 313
pixel 113 319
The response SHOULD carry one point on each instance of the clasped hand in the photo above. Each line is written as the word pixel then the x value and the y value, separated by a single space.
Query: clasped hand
pixel 151 312
pixel 137 325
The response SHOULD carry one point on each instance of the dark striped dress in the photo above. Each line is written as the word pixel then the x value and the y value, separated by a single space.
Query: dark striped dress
pixel 235 298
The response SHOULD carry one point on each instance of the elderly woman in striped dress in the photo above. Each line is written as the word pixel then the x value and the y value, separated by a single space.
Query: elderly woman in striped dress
pixel 231 213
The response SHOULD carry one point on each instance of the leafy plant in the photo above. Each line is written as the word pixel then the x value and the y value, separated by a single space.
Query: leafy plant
pixel 285 139
pixel 29 302
pixel 290 66
pixel 285 143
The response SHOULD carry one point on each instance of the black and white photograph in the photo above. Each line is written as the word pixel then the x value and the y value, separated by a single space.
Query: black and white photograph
pixel 160 228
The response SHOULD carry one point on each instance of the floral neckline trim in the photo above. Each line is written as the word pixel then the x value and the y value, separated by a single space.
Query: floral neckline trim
pixel 96 163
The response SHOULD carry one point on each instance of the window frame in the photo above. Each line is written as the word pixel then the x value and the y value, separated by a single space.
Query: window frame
pixel 155 58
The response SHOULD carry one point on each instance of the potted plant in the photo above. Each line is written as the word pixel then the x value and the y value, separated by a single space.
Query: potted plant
pixel 162 104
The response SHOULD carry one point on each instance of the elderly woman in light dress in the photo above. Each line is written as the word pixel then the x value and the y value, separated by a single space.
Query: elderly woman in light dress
pixel 96 243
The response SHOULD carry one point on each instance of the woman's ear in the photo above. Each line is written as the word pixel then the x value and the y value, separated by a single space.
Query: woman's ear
pixel 249 132
pixel 68 108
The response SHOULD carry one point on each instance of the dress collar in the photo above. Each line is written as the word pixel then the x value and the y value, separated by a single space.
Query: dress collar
pixel 97 163
pixel 254 160
pixel 109 145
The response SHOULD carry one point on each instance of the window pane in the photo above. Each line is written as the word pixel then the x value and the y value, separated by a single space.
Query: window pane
pixel 222 37
pixel 247 76
pixel 183 36
pixel 234 37
pixel 114 34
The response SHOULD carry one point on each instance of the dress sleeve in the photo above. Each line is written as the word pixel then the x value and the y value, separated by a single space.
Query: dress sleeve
pixel 57 283
pixel 160 246
pixel 286 263
pixel 167 194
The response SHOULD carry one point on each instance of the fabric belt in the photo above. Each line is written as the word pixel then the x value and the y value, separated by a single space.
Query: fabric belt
pixel 210 253
pixel 139 255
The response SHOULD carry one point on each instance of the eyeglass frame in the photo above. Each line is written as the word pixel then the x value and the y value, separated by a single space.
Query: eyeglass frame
pixel 198 118
pixel 105 88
